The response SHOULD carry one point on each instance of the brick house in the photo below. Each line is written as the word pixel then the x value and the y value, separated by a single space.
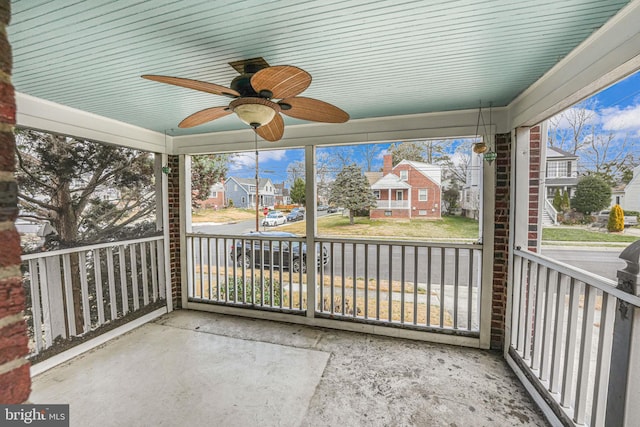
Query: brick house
pixel 408 190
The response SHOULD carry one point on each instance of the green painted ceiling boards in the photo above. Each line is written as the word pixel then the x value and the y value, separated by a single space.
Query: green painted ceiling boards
pixel 370 58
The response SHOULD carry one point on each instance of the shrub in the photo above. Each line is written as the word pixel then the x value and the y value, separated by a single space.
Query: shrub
pixel 616 219
pixel 557 201
pixel 592 194
pixel 566 205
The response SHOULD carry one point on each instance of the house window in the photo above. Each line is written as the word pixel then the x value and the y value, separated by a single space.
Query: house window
pixel 557 169
pixel 235 187
pixel 422 195
pixel 387 213
pixel 404 175
pixel 214 194
pixel 422 212
pixel 399 195
pixel 376 193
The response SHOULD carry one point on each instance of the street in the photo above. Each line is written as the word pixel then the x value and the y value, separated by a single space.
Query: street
pixel 602 261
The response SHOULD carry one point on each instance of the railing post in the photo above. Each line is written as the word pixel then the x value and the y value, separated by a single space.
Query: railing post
pixel 624 377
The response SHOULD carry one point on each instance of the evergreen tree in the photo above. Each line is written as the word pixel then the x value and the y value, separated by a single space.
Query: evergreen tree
pixel 351 190
pixel 592 194
pixel 616 219
pixel 298 192
pixel 566 205
pixel 557 200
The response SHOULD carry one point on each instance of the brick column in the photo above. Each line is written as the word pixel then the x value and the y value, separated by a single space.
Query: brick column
pixel 174 230
pixel 501 239
pixel 15 381
pixel 534 188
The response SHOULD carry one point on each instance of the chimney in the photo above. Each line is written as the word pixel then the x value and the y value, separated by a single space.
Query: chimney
pixel 387 164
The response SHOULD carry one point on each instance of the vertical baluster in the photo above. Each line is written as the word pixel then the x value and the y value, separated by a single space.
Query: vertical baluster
pixel 162 280
pixel 390 283
pixel 470 290
pixel 124 293
pixel 233 266
pixel 539 316
pixel 84 292
pixel 524 285
pixel 443 275
pixel 320 283
pixel 332 279
pixel 201 253
pixel 402 282
pixel 584 363
pixel 570 344
pixel 456 264
pixel 68 294
pixel 191 266
pixel 145 273
pixel 366 280
pixel 218 253
pixel 300 290
pixel 344 278
pixel 531 293
pixel 234 271
pixel 46 309
pixel 97 271
pixel 210 252
pixel 555 381
pixel 415 284
pixel 429 268
pixel 551 290
pixel 355 280
pixel 36 310
pixel 271 270
pixel 515 296
pixel 377 282
pixel 112 284
pixel 134 276
pixel 283 246
pixel 154 270
pixel 603 361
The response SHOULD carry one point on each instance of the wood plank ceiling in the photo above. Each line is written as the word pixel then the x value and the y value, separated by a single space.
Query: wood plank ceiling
pixel 372 58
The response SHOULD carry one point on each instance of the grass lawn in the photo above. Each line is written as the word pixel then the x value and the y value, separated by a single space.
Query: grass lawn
pixel 450 227
pixel 222 215
pixel 582 235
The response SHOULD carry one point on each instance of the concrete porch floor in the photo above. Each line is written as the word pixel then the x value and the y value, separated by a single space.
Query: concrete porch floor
pixel 191 368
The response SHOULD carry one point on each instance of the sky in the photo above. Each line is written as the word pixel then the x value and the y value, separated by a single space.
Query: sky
pixel 616 110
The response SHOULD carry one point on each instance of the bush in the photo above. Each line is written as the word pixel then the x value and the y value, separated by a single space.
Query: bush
pixel 566 205
pixel 592 194
pixel 616 219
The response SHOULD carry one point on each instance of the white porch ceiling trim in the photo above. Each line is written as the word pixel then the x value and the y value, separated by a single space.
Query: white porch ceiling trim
pixel 37 113
pixel 608 55
pixel 452 124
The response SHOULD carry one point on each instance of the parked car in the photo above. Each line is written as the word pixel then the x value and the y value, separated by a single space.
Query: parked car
pixel 274 218
pixel 332 209
pixel 296 214
pixel 323 207
pixel 274 252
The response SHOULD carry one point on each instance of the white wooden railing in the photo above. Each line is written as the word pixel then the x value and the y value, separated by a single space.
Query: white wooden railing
pixel 393 204
pixel 562 325
pixel 114 279
pixel 420 285
pixel 551 211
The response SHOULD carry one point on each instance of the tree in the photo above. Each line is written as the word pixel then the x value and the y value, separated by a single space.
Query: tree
pixel 557 200
pixel 616 219
pixel 295 170
pixel 569 130
pixel 450 197
pixel 298 192
pixel 351 190
pixel 207 170
pixel 411 150
pixel 592 194
pixel 87 191
pixel 566 205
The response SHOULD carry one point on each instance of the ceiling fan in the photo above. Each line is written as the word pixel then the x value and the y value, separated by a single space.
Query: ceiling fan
pixel 260 93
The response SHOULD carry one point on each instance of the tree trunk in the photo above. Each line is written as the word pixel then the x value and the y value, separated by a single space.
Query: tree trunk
pixel 351 218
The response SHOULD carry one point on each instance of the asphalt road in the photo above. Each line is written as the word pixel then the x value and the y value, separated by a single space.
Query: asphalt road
pixel 602 261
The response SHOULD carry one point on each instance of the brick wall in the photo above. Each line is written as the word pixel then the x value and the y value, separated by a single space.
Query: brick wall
pixel 15 382
pixel 535 139
pixel 501 239
pixel 174 230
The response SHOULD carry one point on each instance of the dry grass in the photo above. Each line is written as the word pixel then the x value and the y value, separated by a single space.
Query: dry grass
pixel 222 215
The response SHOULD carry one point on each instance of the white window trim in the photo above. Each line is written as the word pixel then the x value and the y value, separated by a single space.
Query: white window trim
pixel 420 195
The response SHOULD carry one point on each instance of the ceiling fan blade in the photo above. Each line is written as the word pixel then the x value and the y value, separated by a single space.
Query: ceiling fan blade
pixel 314 110
pixel 204 116
pixel 283 81
pixel 194 84
pixel 273 130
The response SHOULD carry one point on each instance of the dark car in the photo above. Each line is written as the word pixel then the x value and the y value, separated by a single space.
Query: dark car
pixel 296 214
pixel 273 252
pixel 332 209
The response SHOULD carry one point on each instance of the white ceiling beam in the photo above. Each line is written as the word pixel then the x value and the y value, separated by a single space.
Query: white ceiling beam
pixel 36 113
pixel 454 124
pixel 608 55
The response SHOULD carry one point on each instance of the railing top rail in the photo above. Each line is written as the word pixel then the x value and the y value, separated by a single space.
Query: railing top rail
pixel 46 254
pixel 329 239
pixel 591 279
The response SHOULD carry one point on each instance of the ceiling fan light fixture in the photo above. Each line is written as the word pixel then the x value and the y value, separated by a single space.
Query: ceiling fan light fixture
pixel 254 111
